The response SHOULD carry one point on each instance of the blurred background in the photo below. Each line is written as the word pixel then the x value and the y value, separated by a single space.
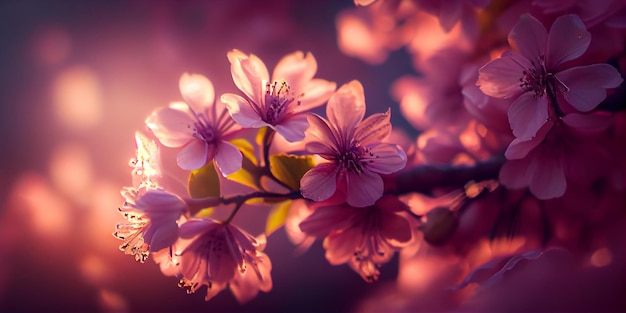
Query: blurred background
pixel 77 79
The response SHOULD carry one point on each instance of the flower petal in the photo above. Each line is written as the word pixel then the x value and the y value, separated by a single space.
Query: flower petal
pixel 193 155
pixel 320 182
pixel 228 158
pixel 314 93
pixel 527 115
pixel 500 78
pixel 587 84
pixel 326 219
pixel 197 91
pixel 292 128
pixel 172 127
pixel 340 246
pixel 296 69
pixel 164 236
pixel 547 175
pixel 386 158
pixel 568 39
pixel 346 108
pixel 514 174
pixel 529 37
pixel 520 147
pixel 249 74
pixel 363 189
pixel 395 228
pixel 320 131
pixel 242 111
pixel 374 128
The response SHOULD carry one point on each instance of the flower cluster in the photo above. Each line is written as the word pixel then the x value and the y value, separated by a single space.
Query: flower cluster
pixel 512 139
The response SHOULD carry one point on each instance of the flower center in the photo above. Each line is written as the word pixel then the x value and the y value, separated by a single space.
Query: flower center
pixel 355 158
pixel 277 99
pixel 202 130
pixel 535 79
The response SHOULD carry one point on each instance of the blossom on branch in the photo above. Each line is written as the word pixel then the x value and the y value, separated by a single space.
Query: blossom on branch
pixel 152 221
pixel 354 148
pixel 364 238
pixel 221 254
pixel 201 127
pixel 279 102
pixel 535 74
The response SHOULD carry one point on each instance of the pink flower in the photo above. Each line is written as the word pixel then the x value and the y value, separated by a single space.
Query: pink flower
pixel 354 148
pixel 152 221
pixel 533 73
pixel 562 150
pixel 222 254
pixel 364 238
pixel 280 102
pixel 201 127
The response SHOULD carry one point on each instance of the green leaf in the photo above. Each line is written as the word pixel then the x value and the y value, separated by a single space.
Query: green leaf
pixel 248 175
pixel 246 149
pixel 277 217
pixel 204 182
pixel 289 168
pixel 205 212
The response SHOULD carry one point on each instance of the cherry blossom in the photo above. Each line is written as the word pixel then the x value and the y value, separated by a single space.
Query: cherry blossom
pixel 354 148
pixel 280 102
pixel 199 126
pixel 152 221
pixel 364 238
pixel 221 254
pixel 535 74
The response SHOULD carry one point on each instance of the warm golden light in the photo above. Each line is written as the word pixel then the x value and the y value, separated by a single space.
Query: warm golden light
pixel 77 98
pixel 71 171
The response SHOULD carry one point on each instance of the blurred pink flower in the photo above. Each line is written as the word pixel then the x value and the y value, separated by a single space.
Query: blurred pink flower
pixel 353 146
pixel 281 102
pixel 452 11
pixel 152 221
pixel 533 74
pixel 364 238
pixel 562 149
pixel 221 254
pixel 201 127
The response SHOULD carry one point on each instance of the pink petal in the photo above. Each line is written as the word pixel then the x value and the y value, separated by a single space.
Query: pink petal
pixel 292 128
pixel 568 40
pixel 450 13
pixel 547 175
pixel 320 182
pixel 587 84
pixel 159 201
pixel 193 155
pixel 363 189
pixel 589 123
pixel 228 158
pixel 314 93
pixel 296 69
pixel 514 174
pixel 500 78
pixel 172 127
pixel 194 227
pixel 242 111
pixel 374 128
pixel 395 228
pixel 319 130
pixel 197 91
pixel 340 247
pixel 164 236
pixel 325 151
pixel 529 37
pixel 245 286
pixel 387 158
pixel 527 114
pixel 520 147
pixel 326 219
pixel 346 108
pixel 249 74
